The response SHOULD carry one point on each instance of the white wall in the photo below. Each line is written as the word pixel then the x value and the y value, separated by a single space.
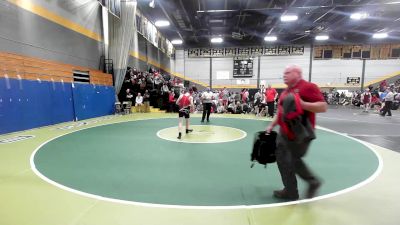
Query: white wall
pixel 324 72
pixel 179 60
pixel 378 68
pixel 198 69
pixel 335 71
pixel 271 67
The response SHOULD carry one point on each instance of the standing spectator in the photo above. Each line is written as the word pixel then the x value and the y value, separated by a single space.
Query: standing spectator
pixel 225 97
pixel 171 101
pixel 389 98
pixel 245 96
pixel 291 146
pixel 146 101
pixel 207 98
pixel 270 96
pixel 383 85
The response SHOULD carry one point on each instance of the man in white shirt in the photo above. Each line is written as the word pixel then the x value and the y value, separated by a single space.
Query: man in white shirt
pixel 389 98
pixel 139 102
pixel 207 98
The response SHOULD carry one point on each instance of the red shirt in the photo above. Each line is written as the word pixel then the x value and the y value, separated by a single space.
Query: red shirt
pixel 309 92
pixel 185 101
pixel 270 94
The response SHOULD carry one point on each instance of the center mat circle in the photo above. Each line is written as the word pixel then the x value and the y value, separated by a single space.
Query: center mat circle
pixel 127 161
pixel 203 134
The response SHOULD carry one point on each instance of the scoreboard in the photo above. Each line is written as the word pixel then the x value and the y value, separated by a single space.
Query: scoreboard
pixel 242 67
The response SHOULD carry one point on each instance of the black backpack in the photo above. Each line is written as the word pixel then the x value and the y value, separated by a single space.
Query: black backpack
pixel 264 148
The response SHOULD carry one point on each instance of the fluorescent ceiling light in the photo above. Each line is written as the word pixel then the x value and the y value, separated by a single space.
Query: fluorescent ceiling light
pixel 216 21
pixel 270 38
pixel 161 23
pixel 216 40
pixel 152 4
pixel 177 42
pixel 322 37
pixel 287 18
pixel 380 35
pixel 359 16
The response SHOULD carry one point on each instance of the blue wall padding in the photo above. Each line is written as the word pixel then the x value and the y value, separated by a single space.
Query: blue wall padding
pixel 26 104
pixel 93 100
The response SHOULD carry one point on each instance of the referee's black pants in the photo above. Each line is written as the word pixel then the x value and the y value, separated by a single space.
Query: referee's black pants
pixel 206 109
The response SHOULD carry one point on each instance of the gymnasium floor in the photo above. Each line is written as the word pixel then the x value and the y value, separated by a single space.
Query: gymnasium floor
pixel 131 170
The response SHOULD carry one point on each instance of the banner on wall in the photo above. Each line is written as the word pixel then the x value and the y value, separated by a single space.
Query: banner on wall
pixel 222 75
pixel 243 81
pixel 247 51
pixel 353 80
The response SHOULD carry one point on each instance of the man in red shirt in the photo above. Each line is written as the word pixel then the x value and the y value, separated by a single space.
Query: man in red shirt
pixel 270 96
pixel 289 153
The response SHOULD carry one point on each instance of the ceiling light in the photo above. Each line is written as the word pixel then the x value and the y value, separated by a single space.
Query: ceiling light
pixel 288 18
pixel 359 16
pixel 216 21
pixel 177 42
pixel 380 35
pixel 322 37
pixel 152 4
pixel 161 23
pixel 270 38
pixel 217 40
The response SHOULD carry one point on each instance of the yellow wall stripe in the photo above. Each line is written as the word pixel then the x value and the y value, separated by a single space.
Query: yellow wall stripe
pixel 40 11
pixel 382 78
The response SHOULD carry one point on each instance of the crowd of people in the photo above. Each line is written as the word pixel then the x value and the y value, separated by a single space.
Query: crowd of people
pixel 159 90
pixel 381 99
pixel 154 88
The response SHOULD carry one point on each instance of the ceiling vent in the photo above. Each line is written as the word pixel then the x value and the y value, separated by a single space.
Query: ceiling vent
pixel 237 35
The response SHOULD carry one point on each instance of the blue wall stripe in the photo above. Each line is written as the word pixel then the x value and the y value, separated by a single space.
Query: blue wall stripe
pixel 26 104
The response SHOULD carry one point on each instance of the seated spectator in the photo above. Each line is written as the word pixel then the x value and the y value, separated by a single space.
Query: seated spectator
pixel 139 102
pixel 128 96
pixel 231 108
pixel 220 107
pixel 238 108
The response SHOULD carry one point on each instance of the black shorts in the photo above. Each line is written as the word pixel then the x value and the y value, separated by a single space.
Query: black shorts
pixel 184 112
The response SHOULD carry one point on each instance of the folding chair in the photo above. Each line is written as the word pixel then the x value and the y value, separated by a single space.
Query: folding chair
pixel 118 108
pixel 127 107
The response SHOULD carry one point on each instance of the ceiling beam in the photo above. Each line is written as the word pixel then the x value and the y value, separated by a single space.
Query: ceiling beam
pixel 188 19
pixel 170 19
pixel 306 7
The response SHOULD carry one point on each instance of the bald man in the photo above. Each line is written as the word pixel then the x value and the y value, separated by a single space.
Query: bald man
pixel 289 153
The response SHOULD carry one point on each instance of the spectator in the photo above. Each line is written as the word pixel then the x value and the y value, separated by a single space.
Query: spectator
pixel 146 101
pixel 139 102
pixel 271 94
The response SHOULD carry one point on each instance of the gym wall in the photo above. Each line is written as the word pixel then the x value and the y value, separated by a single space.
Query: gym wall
pixel 324 72
pixel 41 44
pixel 53 30
pixel 144 55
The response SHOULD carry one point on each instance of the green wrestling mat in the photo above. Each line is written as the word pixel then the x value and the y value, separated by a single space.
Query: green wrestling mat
pixel 142 161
